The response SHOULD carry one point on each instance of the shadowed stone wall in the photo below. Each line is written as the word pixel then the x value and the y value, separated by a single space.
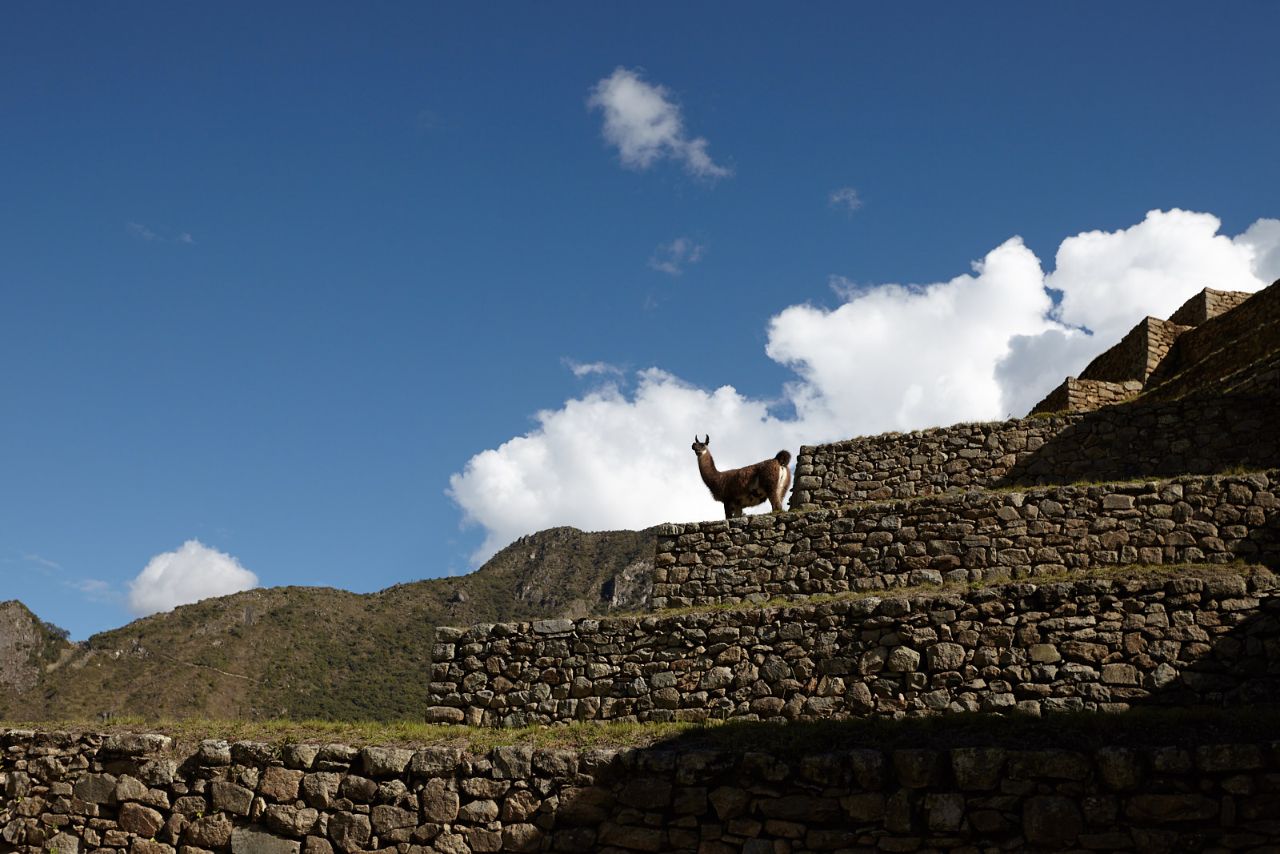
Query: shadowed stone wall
pixel 73 794
pixel 1139 439
pixel 1138 354
pixel 1207 304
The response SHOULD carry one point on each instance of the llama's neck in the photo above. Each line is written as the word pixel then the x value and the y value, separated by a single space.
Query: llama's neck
pixel 707 468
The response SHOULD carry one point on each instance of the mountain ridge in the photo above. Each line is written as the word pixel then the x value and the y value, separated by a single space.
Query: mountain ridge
pixel 334 654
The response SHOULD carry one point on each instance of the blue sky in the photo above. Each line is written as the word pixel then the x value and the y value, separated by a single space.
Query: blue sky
pixel 295 280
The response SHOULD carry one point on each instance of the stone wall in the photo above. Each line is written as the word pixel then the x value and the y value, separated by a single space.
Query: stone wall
pixel 1221 346
pixel 67 794
pixel 1198 435
pixel 1139 439
pixel 1207 304
pixel 1093 644
pixel 968 537
pixel 1138 353
pixel 922 462
pixel 1087 395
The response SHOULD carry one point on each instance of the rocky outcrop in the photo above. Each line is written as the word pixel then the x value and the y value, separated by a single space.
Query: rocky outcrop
pixel 26 645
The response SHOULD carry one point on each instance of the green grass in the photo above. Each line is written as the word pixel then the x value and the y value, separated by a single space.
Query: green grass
pixel 189 732
pixel 1143 727
pixel 1108 571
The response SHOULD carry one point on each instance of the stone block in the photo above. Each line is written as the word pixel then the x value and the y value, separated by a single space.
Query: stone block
pixel 385 761
pixel 251 840
pixel 1052 821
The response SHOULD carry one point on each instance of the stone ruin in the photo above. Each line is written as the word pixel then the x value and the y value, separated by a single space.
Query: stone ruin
pixel 1113 555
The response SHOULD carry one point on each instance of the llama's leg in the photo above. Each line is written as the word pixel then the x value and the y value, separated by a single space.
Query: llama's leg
pixel 779 490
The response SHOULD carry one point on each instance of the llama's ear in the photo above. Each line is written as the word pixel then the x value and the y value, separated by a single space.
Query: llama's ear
pixel 707 441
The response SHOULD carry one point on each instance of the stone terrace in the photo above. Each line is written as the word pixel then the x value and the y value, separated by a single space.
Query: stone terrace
pixel 1097 644
pixel 967 537
pixel 63 793
pixel 1201 435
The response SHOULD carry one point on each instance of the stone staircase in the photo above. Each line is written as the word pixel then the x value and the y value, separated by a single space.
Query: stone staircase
pixel 1155 350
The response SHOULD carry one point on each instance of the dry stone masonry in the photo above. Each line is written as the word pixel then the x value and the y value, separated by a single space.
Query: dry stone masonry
pixel 1155 349
pixel 1137 440
pixel 968 537
pixel 1096 644
pixel 1207 304
pixel 1138 354
pixel 923 462
pixel 1082 395
pixel 1129 555
pixel 91 794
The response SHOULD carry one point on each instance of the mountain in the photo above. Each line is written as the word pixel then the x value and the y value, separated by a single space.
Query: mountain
pixel 27 646
pixel 309 652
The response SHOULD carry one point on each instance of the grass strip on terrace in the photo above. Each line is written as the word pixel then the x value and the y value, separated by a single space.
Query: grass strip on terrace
pixel 1107 571
pixel 1029 489
pixel 1153 726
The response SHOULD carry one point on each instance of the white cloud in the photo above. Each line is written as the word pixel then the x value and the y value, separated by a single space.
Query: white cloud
pixel 42 563
pixel 141 231
pixel 645 124
pixel 609 460
pixel 587 369
pixel 1262 242
pixel 671 258
pixel 1110 280
pixel 896 358
pixel 978 346
pixel 191 573
pixel 846 198
pixel 95 590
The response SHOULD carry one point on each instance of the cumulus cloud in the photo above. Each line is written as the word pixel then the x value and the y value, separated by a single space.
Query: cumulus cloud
pixel 645 125
pixel 1110 280
pixel 845 198
pixel 916 355
pixel 979 346
pixel 1262 242
pixel 189 574
pixel 611 460
pixel 671 258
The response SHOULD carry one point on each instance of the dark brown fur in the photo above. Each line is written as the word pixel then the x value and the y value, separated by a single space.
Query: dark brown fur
pixel 738 489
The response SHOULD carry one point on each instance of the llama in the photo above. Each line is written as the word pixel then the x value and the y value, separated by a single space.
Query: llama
pixel 747 486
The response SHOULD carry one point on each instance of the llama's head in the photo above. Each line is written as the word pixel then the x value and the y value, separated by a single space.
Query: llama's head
pixel 700 446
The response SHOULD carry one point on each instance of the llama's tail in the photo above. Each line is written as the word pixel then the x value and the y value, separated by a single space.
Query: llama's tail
pixel 783 457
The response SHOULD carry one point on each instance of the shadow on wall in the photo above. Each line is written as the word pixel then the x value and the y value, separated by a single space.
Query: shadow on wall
pixel 1157 440
pixel 1166 779
pixel 1155 779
